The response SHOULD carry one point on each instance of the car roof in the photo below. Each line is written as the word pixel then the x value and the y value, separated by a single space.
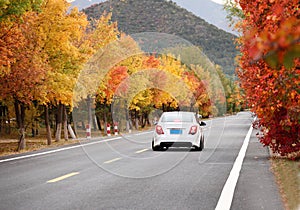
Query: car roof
pixel 178 116
pixel 179 112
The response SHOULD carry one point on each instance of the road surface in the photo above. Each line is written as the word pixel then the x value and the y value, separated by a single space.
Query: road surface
pixel 122 172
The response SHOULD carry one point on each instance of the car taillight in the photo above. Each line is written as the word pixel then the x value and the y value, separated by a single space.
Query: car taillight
pixel 159 130
pixel 193 130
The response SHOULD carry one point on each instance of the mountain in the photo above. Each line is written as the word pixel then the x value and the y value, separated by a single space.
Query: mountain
pixel 136 16
pixel 206 9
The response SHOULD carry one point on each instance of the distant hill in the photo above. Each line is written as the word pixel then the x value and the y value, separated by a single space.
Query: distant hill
pixel 208 10
pixel 136 16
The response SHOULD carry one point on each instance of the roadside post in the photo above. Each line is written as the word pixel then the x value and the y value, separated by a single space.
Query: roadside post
pixel 116 130
pixel 88 131
pixel 108 129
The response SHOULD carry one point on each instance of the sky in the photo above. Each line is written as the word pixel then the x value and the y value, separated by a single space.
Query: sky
pixel 219 1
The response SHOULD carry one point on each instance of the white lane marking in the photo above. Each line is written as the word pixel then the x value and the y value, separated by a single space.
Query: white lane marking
pixel 226 197
pixel 139 134
pixel 141 151
pixel 113 160
pixel 57 150
pixel 62 177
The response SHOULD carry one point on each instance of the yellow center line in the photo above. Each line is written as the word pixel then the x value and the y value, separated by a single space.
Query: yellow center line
pixel 63 177
pixel 113 160
pixel 140 151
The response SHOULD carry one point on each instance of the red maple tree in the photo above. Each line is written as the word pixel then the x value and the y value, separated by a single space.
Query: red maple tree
pixel 270 70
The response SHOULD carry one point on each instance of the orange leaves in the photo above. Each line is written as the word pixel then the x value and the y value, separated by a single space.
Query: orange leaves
pixel 113 80
pixel 24 69
pixel 116 76
pixel 11 39
pixel 151 62
pixel 270 69
pixel 272 31
pixel 103 33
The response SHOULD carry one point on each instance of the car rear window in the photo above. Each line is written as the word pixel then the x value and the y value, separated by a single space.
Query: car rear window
pixel 177 117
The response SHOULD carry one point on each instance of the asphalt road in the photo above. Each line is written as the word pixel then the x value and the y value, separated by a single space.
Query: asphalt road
pixel 124 173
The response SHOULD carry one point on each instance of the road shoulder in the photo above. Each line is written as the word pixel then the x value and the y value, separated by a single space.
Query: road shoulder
pixel 256 187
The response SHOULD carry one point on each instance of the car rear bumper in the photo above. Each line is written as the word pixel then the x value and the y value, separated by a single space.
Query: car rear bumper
pixel 176 142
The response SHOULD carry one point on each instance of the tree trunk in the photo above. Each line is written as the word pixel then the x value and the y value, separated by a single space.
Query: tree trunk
pixel 105 123
pixel 75 127
pixel 65 122
pixel 8 120
pixel 98 123
pixel 59 122
pixel 89 107
pixel 136 120
pixel 95 125
pixel 147 119
pixel 22 141
pixel 143 120
pixel 48 129
pixel 20 117
pixel 127 119
pixel 32 130
pixel 2 118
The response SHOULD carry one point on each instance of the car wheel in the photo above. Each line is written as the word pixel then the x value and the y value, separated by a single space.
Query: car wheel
pixel 196 148
pixel 155 148
pixel 201 145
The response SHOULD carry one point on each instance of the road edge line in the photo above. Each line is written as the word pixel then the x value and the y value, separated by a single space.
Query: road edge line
pixel 56 150
pixel 226 196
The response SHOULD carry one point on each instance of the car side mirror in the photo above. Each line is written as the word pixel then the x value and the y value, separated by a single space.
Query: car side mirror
pixel 202 123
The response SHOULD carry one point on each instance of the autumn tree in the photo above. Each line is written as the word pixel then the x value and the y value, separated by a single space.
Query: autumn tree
pixel 11 12
pixel 46 61
pixel 12 39
pixel 60 31
pixel 270 68
pixel 25 76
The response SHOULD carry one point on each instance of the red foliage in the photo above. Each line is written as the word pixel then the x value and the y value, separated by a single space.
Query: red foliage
pixel 270 70
pixel 151 62
pixel 27 72
pixel 115 77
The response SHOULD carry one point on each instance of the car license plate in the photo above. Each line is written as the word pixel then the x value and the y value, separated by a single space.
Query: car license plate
pixel 176 131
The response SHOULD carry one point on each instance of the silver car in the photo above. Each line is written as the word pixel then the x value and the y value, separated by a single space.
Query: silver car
pixel 178 129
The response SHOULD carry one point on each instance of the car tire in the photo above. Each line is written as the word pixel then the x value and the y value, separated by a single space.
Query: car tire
pixel 155 148
pixel 196 148
pixel 201 145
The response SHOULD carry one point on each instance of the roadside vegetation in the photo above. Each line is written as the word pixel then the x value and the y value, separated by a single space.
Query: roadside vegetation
pixel 45 45
pixel 269 69
pixel 45 48
pixel 287 174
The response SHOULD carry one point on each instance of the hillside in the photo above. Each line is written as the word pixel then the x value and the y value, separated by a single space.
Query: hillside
pixel 135 16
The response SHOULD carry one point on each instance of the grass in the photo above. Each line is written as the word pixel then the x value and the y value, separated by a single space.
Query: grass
pixel 9 142
pixel 287 173
pixel 9 147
